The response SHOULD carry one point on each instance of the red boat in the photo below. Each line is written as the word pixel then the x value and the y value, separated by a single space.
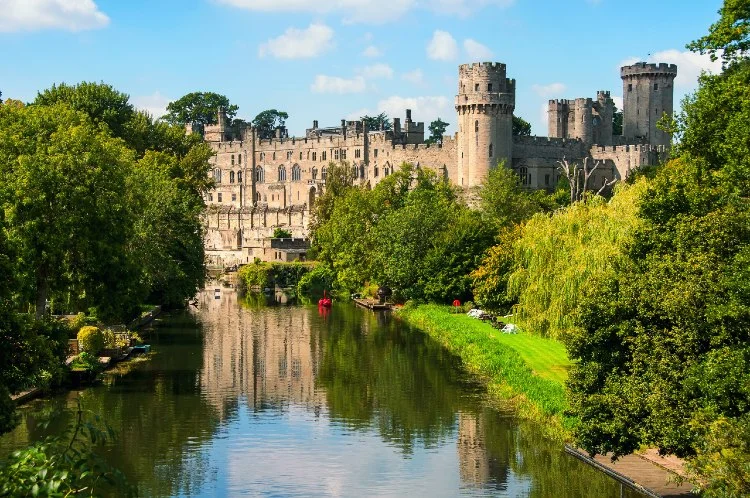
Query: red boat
pixel 325 301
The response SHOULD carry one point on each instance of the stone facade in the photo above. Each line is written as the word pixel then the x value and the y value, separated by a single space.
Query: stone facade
pixel 263 184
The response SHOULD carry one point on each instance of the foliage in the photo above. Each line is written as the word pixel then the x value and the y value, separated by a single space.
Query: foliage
pixel 339 180
pixel 64 465
pixel 268 275
pixel 87 362
pixel 617 122
pixel 280 233
pixel 560 257
pixel 199 108
pixel 485 351
pixel 314 282
pixel 490 278
pixel 375 123
pixel 267 121
pixel 90 339
pixel 729 37
pixel 437 130
pixel 521 127
pixel 504 202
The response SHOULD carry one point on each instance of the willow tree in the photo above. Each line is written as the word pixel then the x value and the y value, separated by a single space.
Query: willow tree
pixel 559 257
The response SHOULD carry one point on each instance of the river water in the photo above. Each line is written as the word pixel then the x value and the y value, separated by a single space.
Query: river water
pixel 290 401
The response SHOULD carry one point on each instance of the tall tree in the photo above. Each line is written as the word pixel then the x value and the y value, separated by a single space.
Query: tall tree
pixel 199 108
pixel 267 121
pixel 375 123
pixel 437 130
pixel 63 191
pixel 617 122
pixel 521 127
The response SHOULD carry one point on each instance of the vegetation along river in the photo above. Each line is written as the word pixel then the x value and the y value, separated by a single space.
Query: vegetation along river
pixel 288 401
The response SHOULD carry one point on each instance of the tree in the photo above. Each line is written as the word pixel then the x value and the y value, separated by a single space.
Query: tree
pixel 280 233
pixel 503 201
pixel 521 127
pixel 199 108
pixel 437 130
pixel 376 123
pixel 578 178
pixel 101 102
pixel 267 121
pixel 63 192
pixel 729 37
pixel 616 122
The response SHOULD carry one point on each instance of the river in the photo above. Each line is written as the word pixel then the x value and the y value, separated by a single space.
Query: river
pixel 288 401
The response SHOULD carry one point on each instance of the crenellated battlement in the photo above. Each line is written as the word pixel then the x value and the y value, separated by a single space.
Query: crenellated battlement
pixel 479 67
pixel 617 149
pixel 640 68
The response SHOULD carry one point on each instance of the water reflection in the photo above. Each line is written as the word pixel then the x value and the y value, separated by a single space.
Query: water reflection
pixel 287 401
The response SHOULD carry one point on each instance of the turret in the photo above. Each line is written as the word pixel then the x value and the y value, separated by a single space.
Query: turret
pixel 484 104
pixel 648 94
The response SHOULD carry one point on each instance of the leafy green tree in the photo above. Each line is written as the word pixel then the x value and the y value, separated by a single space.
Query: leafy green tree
pixel 280 233
pixel 63 192
pixel 521 127
pixel 504 201
pixel 490 278
pixel 375 123
pixel 728 38
pixel 437 130
pixel 199 108
pixel 338 180
pixel 617 123
pixel 267 121
pixel 101 102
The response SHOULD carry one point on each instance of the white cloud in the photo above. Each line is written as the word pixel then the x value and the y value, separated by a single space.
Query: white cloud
pixel 154 104
pixel 372 52
pixel 551 90
pixel 442 46
pixel 415 77
pixel 299 43
pixel 335 84
pixel 32 15
pixel 618 102
pixel 425 109
pixel 376 71
pixel 356 115
pixel 689 65
pixel 476 51
pixel 354 11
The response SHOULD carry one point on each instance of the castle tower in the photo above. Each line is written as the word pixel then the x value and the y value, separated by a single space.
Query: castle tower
pixel 484 104
pixel 584 126
pixel 557 118
pixel 648 91
pixel 604 113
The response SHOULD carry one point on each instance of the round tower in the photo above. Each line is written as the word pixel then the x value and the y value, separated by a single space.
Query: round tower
pixel 584 120
pixel 647 94
pixel 484 104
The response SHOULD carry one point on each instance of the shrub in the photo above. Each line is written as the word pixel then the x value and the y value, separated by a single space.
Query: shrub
pixel 90 340
pixel 78 322
pixel 280 233
pixel 87 362
pixel 314 282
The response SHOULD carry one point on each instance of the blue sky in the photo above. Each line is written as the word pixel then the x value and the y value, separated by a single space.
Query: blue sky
pixel 334 59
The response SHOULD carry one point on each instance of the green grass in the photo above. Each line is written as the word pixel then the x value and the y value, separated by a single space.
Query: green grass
pixel 528 369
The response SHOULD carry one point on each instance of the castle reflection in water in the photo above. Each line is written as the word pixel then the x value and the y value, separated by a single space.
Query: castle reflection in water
pixel 271 357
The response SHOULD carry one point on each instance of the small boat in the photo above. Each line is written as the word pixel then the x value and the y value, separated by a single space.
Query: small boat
pixel 325 301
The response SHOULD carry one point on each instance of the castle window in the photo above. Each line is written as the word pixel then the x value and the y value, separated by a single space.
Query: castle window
pixel 476 87
pixel 231 177
pixel 211 197
pixel 523 172
pixel 361 170
pixel 476 126
pixel 546 179
pixel 336 155
pixel 323 173
pixel 218 197
pixel 296 173
pixel 489 87
pixel 300 155
pixel 259 175
pixel 314 154
pixel 274 156
pixel 289 155
pixel 262 156
pixel 354 172
pixel 630 87
pixel 282 174
pixel 376 153
pixel 234 197
pixel 239 177
pixel 239 158
pixel 375 172
pixel 343 154
pixel 656 86
pixel 232 159
pixel 323 156
pixel 257 196
pixel 490 150
pixel 217 175
pixel 315 173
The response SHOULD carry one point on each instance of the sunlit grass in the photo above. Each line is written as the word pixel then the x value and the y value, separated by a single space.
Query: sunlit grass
pixel 527 368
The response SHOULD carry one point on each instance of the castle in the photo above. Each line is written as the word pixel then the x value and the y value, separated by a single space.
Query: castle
pixel 263 184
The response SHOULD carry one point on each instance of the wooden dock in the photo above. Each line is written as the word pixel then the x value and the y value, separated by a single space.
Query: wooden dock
pixel 639 473
pixel 372 304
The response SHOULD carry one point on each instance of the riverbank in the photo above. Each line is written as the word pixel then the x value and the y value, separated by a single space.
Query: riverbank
pixel 526 370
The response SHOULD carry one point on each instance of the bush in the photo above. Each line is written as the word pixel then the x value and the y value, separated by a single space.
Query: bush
pixel 280 233
pixel 90 340
pixel 314 282
pixel 87 362
pixel 78 322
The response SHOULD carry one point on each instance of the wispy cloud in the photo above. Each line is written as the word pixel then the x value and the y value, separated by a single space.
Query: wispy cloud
pixel 442 46
pixel 550 90
pixel 299 43
pixel 476 51
pixel 335 84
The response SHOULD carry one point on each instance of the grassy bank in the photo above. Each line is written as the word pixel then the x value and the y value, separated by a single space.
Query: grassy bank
pixel 530 371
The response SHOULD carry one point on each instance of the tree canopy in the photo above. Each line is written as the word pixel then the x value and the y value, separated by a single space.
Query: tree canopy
pixel 199 108
pixel 375 123
pixel 521 127
pixel 437 130
pixel 267 121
